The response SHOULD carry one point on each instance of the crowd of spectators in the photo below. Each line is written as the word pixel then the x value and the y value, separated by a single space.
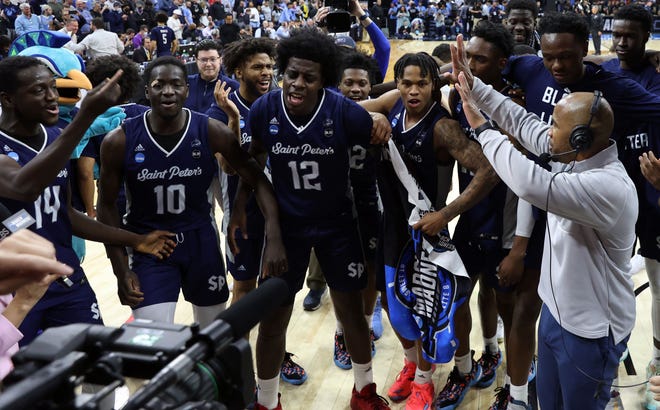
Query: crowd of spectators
pixel 228 20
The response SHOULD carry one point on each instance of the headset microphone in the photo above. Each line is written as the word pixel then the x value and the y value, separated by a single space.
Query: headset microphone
pixel 546 157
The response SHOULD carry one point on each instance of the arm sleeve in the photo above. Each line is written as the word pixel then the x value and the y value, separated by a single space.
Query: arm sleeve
pixel 381 47
pixel 526 127
pixel 524 219
pixel 581 197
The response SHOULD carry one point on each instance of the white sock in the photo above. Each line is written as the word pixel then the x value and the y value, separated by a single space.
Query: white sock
pixel 340 328
pixel 363 374
pixel 411 354
pixel 160 312
pixel 463 363
pixel 205 315
pixel 490 344
pixel 518 392
pixel 368 319
pixel 423 376
pixel 267 391
pixel 656 357
pixel 507 380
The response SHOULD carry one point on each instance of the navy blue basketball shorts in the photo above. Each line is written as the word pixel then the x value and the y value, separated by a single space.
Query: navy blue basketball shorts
pixel 482 262
pixel 62 306
pixel 196 266
pixel 247 264
pixel 337 247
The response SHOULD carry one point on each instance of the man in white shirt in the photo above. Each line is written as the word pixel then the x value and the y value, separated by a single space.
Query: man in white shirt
pixel 100 42
pixel 174 22
pixel 70 29
pixel 588 300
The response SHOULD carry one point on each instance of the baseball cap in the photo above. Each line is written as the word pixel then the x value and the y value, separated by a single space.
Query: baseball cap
pixel 177 11
pixel 345 41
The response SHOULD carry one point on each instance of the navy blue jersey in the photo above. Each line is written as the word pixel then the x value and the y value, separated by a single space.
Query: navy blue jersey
pixel 416 145
pixel 484 222
pixel 309 164
pixel 50 209
pixel 254 215
pixel 164 37
pixel 200 91
pixel 630 102
pixel 643 138
pixel 168 190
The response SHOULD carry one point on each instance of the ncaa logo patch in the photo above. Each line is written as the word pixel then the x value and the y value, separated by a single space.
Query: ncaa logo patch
pixel 13 155
pixel 139 157
pixel 273 129
pixel 241 123
pixel 327 128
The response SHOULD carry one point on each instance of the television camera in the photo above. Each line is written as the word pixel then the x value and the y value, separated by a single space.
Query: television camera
pixel 188 367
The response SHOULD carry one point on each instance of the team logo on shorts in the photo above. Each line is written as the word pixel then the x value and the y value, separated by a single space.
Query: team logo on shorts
pixel 139 157
pixel 273 129
pixel 327 128
pixel 13 155
pixel 196 154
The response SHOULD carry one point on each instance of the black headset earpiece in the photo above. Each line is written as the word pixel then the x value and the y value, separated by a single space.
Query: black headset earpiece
pixel 581 136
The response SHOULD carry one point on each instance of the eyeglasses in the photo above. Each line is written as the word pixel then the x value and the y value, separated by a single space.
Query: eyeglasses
pixel 208 60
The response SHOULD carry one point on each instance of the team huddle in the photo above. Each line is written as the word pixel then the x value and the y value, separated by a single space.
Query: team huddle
pixel 552 196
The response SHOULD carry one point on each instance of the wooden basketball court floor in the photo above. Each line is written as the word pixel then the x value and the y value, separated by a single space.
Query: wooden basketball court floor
pixel 310 334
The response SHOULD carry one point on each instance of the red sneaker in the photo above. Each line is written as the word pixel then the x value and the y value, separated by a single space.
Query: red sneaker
pixel 258 406
pixel 401 387
pixel 421 397
pixel 368 399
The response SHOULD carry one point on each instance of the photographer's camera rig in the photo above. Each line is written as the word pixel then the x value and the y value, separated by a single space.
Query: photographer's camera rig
pixel 188 368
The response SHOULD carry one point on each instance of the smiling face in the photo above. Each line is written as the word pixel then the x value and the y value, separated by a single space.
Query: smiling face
pixel 208 64
pixel 520 23
pixel 255 76
pixel 629 41
pixel 416 90
pixel 35 98
pixel 167 90
pixel 301 84
pixel 562 56
pixel 355 84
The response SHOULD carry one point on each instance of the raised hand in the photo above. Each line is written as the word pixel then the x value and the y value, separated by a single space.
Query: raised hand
pixel 221 94
pixel 459 63
pixel 472 113
pixel 102 97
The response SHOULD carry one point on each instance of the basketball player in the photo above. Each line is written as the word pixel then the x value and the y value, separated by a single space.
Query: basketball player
pixel 426 137
pixel 166 159
pixel 631 28
pixel 35 170
pixel 251 61
pixel 305 132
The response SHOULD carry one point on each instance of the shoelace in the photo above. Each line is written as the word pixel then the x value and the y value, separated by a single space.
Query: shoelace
pixel 501 397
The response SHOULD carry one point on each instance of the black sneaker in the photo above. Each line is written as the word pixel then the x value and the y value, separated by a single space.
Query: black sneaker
pixel 313 299
pixel 457 387
pixel 292 372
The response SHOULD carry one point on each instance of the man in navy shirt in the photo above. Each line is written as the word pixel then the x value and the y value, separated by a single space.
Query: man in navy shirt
pixel 166 42
pixel 631 28
pixel 201 85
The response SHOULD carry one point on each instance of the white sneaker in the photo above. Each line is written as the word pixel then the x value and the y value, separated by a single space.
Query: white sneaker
pixel 500 329
pixel 637 264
